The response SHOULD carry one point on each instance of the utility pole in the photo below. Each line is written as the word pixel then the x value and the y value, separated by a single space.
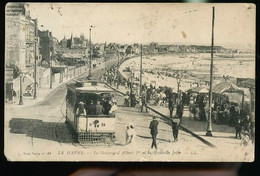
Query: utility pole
pixel 21 90
pixel 50 62
pixel 141 70
pixel 209 127
pixel 117 70
pixel 105 61
pixel 178 89
pixel 50 73
pixel 90 51
pixel 35 56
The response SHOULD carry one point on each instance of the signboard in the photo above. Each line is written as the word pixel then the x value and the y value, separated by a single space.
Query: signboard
pixel 9 75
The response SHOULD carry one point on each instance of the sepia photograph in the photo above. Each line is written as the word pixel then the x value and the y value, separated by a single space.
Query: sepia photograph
pixel 132 82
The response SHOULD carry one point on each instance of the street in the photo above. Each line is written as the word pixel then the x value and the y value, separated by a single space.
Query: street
pixel 45 131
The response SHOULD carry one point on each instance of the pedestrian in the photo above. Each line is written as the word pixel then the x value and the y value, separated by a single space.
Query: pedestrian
pixel 171 104
pixel 107 106
pixel 131 135
pixel 179 111
pixel 233 115
pixel 127 134
pixel 14 96
pixel 191 107
pixel 92 108
pixel 113 108
pixel 143 101
pixel 126 98
pixel 175 129
pixel 154 131
pixel 133 99
pixel 238 128
pixel 99 108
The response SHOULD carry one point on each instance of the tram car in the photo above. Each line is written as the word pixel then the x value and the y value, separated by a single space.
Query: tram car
pixel 88 126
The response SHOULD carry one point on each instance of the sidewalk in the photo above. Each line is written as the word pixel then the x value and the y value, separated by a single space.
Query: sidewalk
pixel 223 135
pixel 42 92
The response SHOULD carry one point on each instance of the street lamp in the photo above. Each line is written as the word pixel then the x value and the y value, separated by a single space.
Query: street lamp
pixel 21 89
pixel 90 51
pixel 178 88
pixel 141 70
pixel 117 71
pixel 35 56
pixel 50 63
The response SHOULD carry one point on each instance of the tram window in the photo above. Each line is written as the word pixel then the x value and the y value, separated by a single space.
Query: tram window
pixel 70 97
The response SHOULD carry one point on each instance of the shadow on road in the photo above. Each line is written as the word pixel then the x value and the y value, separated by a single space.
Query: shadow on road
pixel 159 139
pixel 59 132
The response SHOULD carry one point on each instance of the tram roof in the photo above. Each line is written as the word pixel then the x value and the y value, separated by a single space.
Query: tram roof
pixel 100 88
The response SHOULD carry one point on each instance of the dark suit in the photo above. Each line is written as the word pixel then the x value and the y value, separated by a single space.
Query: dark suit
pixel 154 131
pixel 175 130
pixel 92 109
pixel 99 109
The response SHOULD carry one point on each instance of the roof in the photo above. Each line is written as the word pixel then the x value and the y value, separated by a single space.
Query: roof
pixel 88 88
pixel 226 87
pixel 200 90
pixel 94 89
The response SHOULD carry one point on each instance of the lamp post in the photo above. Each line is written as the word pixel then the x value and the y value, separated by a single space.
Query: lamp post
pixel 117 70
pixel 21 89
pixel 131 87
pixel 90 50
pixel 178 88
pixel 50 63
pixel 141 70
pixel 35 58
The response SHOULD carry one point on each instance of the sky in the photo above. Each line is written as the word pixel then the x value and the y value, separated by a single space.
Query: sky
pixel 144 23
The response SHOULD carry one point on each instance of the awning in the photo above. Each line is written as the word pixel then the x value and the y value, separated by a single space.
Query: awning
pixel 199 90
pixel 226 87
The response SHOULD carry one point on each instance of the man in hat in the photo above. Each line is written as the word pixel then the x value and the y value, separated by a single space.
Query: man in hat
pixel 171 103
pixel 143 101
pixel 92 108
pixel 179 110
pixel 175 128
pixel 107 106
pixel 99 108
pixel 154 131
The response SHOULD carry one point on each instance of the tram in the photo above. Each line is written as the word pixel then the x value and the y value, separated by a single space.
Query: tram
pixel 89 127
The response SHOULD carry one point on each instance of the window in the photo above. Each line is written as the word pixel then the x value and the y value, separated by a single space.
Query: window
pixel 70 97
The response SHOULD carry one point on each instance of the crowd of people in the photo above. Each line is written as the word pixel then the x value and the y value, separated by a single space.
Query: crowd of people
pixel 224 112
pixel 103 106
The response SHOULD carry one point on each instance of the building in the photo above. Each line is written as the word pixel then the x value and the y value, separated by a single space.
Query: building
pixel 15 46
pixel 22 43
pixel 78 42
pixel 46 45
pixel 64 43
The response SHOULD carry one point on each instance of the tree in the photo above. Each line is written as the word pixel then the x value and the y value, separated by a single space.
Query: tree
pixel 16 70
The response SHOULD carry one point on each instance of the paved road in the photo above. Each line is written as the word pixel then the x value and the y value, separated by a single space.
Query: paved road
pixel 42 127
